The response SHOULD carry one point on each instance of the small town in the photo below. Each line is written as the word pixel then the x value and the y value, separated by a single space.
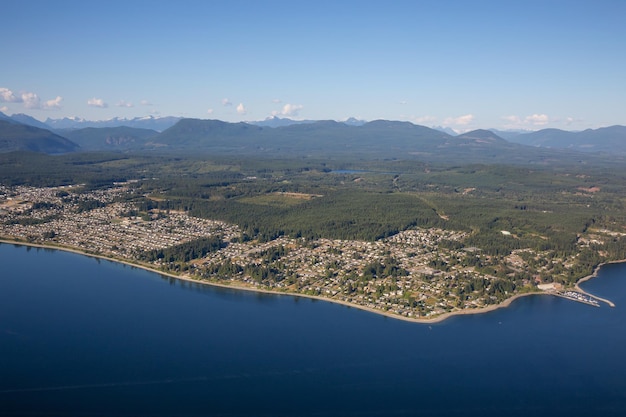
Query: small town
pixel 409 275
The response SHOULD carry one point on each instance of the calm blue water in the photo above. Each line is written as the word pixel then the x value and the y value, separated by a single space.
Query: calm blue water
pixel 82 337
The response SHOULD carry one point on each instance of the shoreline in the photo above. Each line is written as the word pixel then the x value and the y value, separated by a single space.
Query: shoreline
pixel 437 319
pixel 595 275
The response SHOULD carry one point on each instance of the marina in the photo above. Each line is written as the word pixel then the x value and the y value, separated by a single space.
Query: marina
pixel 578 296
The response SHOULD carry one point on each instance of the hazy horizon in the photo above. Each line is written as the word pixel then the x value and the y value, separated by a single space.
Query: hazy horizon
pixel 458 131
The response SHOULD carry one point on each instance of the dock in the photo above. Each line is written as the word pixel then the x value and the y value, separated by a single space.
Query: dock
pixel 580 297
pixel 576 294
pixel 604 300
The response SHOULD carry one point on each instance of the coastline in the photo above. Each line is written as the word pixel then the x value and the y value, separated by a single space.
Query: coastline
pixel 595 275
pixel 189 278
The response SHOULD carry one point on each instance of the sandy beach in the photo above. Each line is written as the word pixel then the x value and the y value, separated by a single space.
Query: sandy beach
pixel 188 278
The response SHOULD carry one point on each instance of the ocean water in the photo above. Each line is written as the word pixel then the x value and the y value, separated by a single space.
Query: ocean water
pixel 87 337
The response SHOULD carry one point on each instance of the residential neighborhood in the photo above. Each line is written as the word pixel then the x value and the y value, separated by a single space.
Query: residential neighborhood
pixel 417 273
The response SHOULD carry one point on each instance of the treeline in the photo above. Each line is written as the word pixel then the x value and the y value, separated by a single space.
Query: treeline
pixel 88 205
pixel 184 252
pixel 95 170
pixel 339 215
pixel 495 243
pixel 389 267
pixel 261 274
pixel 30 221
pixel 496 290
pixel 346 214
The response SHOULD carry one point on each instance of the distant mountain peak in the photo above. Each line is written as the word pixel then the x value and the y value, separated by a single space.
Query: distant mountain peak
pixel 29 120
pixel 353 121
pixel 481 135
pixel 447 130
pixel 275 121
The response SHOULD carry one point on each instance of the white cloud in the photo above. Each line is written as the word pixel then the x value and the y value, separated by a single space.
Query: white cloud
pixel 124 103
pixel 569 121
pixel 277 101
pixel 241 109
pixel 145 103
pixel 290 109
pixel 424 119
pixel 226 102
pixel 4 109
pixel 514 120
pixel 53 104
pixel 97 102
pixel 459 121
pixel 210 111
pixel 8 96
pixel 31 101
pixel 537 119
pixel 403 102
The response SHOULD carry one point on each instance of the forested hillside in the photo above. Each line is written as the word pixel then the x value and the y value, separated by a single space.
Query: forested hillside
pixel 18 137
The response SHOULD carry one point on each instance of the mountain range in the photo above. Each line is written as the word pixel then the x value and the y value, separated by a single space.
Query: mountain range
pixel 109 138
pixel 607 139
pixel 276 136
pixel 149 122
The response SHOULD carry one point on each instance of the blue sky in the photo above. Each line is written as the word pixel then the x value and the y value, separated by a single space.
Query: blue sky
pixel 462 64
